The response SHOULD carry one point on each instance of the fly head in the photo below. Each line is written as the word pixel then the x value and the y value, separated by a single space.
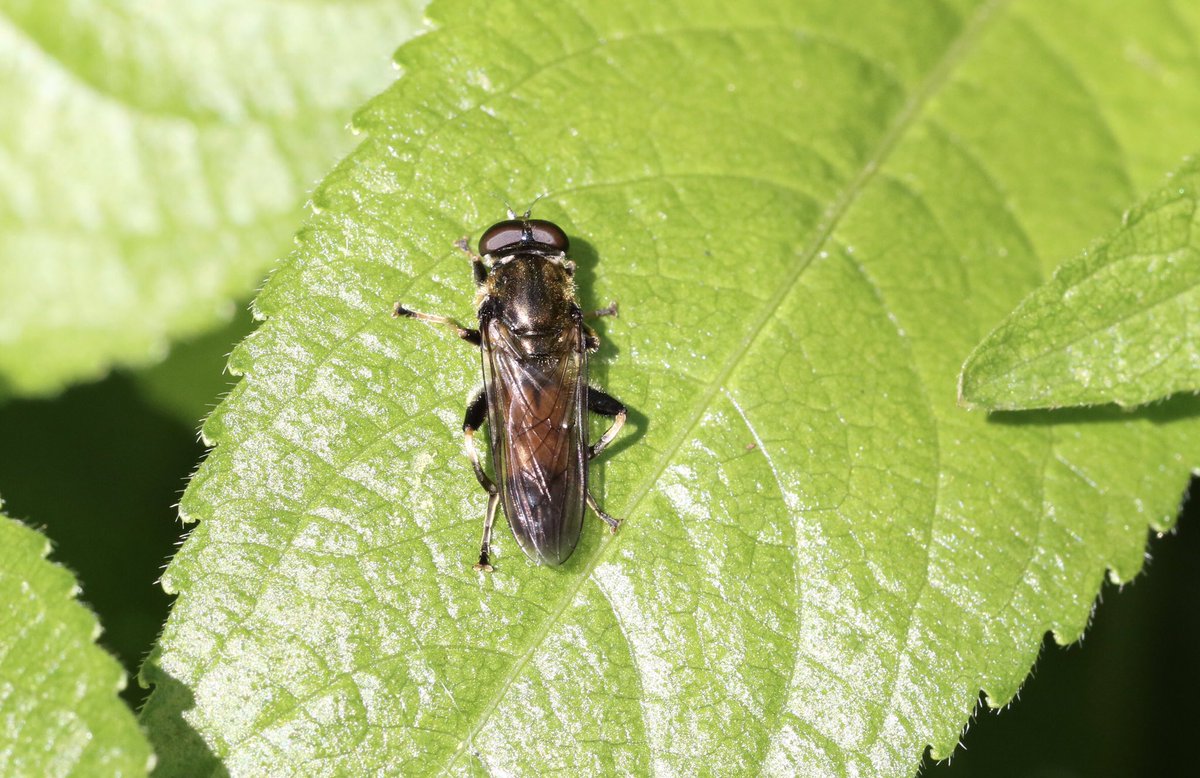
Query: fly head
pixel 533 236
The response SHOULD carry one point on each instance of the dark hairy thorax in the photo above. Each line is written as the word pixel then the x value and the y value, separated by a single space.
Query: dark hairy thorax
pixel 535 298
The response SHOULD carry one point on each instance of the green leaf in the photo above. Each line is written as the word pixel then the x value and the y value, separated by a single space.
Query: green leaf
pixel 808 212
pixel 1114 325
pixel 60 713
pixel 153 161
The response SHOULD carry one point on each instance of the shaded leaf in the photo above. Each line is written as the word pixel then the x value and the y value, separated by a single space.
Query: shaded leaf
pixel 808 212
pixel 60 713
pixel 1114 325
pixel 153 160
pixel 102 471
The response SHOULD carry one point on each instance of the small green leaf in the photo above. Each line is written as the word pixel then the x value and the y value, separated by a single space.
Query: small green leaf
pixel 808 212
pixel 60 709
pixel 153 161
pixel 1115 325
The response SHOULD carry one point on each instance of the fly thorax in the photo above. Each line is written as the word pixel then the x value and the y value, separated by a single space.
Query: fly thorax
pixel 534 293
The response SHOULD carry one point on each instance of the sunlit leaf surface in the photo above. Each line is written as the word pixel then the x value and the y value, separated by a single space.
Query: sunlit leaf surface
pixel 154 158
pixel 60 713
pixel 809 213
pixel 1116 324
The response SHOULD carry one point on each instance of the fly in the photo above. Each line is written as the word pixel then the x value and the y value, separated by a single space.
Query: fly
pixel 535 345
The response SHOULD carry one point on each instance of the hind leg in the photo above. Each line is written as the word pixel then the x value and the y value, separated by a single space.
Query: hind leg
pixel 476 415
pixel 606 405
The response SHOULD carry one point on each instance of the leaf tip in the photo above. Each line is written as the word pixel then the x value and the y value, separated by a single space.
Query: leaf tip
pixel 966 396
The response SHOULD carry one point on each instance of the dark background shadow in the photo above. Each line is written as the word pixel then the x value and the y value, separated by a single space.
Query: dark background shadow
pixel 98 469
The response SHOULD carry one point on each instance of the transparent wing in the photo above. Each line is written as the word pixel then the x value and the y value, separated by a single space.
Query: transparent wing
pixel 536 402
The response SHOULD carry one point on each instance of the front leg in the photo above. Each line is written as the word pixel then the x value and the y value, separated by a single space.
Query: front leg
pixel 469 335
pixel 479 267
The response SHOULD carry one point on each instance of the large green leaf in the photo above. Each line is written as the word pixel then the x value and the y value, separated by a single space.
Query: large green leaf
pixel 60 713
pixel 153 159
pixel 1115 324
pixel 809 213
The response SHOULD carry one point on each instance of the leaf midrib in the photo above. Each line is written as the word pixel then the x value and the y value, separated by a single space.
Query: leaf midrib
pixel 903 120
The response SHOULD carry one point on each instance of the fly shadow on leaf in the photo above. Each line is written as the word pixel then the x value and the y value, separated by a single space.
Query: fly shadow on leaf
pixel 586 260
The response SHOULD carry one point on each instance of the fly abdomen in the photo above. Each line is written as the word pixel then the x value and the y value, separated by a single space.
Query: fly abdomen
pixel 537 399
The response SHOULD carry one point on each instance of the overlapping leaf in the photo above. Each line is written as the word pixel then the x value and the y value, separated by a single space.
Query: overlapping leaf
pixel 1117 324
pixel 60 713
pixel 809 212
pixel 153 158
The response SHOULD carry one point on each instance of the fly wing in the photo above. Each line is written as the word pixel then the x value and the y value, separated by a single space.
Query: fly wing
pixel 536 402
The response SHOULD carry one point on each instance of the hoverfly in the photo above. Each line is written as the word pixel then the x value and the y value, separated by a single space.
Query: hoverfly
pixel 535 344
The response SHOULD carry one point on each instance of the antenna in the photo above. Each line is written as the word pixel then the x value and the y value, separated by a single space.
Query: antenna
pixel 507 208
pixel 512 215
pixel 529 210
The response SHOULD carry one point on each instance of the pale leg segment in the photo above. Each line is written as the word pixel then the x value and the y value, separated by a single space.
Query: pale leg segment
pixel 613 524
pixel 607 437
pixel 484 564
pixel 473 455
pixel 467 334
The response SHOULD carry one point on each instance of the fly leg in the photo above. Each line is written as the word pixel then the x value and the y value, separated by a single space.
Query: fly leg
pixel 476 414
pixel 613 524
pixel 484 565
pixel 590 339
pixel 469 335
pixel 605 405
pixel 479 268
pixel 611 310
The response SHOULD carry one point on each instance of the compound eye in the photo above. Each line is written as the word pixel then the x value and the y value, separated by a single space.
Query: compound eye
pixel 550 234
pixel 501 236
